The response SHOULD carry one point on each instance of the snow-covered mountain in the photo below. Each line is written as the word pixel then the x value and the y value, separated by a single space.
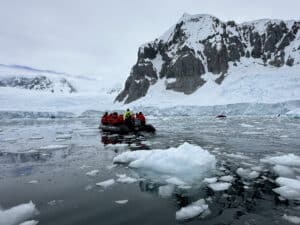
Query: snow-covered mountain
pixel 204 61
pixel 24 88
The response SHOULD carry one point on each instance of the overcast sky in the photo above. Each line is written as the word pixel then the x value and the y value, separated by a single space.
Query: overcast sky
pixel 101 38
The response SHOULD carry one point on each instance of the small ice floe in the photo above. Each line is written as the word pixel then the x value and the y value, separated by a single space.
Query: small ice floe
pixel 291 219
pixel 123 178
pixel 227 178
pixel 181 162
pixel 122 202
pixel 219 186
pixel 52 203
pixel 88 188
pixel 192 210
pixel 63 137
pixel 18 214
pixel 92 173
pixel 284 171
pixel 29 222
pixel 175 181
pixel 247 174
pixel 33 182
pixel 289 188
pixel 106 183
pixel 166 190
pixel 84 167
pixel 210 180
pixel 53 147
pixel 284 160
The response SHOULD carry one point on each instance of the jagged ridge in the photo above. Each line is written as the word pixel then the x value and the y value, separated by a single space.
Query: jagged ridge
pixel 200 44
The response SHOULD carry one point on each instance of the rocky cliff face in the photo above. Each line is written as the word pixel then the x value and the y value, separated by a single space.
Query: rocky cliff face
pixel 200 44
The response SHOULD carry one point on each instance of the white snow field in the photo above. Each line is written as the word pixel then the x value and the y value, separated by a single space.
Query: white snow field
pixel 91 92
pixel 180 162
pixel 18 214
pixel 192 210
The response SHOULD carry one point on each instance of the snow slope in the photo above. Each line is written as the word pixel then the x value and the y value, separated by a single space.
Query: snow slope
pixel 249 82
pixel 90 92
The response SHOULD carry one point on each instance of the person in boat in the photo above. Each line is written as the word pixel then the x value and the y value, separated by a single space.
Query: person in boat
pixel 142 118
pixel 128 119
pixel 115 119
pixel 120 119
pixel 137 121
pixel 104 119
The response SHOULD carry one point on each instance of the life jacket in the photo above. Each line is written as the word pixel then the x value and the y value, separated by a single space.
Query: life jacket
pixel 115 120
pixel 142 118
pixel 104 120
pixel 127 115
pixel 120 119
pixel 110 119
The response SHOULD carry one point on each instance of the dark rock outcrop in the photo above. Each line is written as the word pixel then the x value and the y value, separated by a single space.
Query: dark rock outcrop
pixel 200 44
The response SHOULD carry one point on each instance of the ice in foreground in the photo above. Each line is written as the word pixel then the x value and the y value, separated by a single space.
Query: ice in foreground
pixel 192 210
pixel 284 160
pixel 289 188
pixel 17 214
pixel 187 162
pixel 106 183
pixel 92 173
pixel 29 222
pixel 292 219
pixel 219 186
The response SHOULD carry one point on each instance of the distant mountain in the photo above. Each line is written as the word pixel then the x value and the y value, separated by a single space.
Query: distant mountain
pixel 202 48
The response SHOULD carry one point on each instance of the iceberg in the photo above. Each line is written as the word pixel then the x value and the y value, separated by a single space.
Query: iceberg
pixel 187 162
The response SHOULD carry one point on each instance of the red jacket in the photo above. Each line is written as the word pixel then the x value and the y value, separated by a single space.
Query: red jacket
pixel 120 119
pixel 142 118
pixel 104 120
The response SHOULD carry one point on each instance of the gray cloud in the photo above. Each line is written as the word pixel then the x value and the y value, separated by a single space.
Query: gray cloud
pixel 102 37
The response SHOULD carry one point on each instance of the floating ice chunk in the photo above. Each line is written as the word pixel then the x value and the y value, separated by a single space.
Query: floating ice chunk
pixel 109 167
pixel 283 171
pixel 288 192
pixel 33 182
pixel 283 181
pixel 219 186
pixel 88 187
pixel 192 210
pixel 247 173
pixel 121 202
pixel 227 178
pixel 285 160
pixel 290 188
pixel 181 162
pixel 210 180
pixel 106 183
pixel 30 222
pixel 292 219
pixel 92 173
pixel 123 178
pixel 175 181
pixel 53 147
pixel 294 113
pixel 166 190
pixel 10 140
pixel 17 214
